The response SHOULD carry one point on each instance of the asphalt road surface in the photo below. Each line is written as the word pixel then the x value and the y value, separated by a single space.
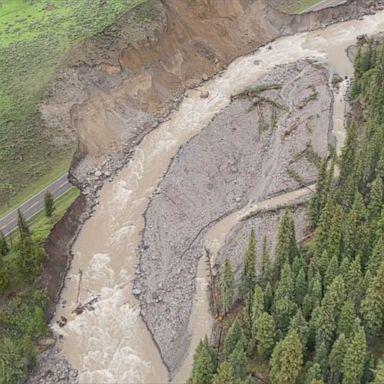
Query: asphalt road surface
pixel 35 204
pixel 325 4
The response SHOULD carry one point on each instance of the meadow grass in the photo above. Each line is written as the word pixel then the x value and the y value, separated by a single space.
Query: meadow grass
pixel 35 36
pixel 298 7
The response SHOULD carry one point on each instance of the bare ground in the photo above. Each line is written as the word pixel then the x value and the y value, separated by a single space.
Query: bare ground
pixel 251 151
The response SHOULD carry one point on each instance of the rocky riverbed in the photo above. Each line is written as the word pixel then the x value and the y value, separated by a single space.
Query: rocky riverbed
pixel 266 142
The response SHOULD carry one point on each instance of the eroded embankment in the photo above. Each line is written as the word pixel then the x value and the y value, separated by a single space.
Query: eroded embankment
pixel 109 342
pixel 255 148
pixel 122 83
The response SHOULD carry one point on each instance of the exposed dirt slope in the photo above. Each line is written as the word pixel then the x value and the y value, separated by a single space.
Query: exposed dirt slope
pixel 121 82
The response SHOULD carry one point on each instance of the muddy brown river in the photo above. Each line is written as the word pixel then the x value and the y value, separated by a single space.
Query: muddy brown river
pixel 110 344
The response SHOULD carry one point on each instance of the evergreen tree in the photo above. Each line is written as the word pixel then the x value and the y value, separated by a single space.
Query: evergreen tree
pixel 321 358
pixel 354 359
pixel 226 287
pixel 299 324
pixel 347 319
pixel 354 281
pixel 348 154
pixel 268 297
pixel 300 287
pixel 284 309
pixel 4 249
pixel 376 199
pixel 286 247
pixel 22 225
pixel 49 206
pixel 285 286
pixel 319 198
pixel 376 256
pixel 336 358
pixel 312 373
pixel 204 365
pixel 234 335
pixel 249 273
pixel 225 374
pixel 379 373
pixel 265 334
pixel 325 321
pixel 332 271
pixel 266 267
pixel 238 361
pixel 372 307
pixel 287 360
pixel 258 304
pixel 29 258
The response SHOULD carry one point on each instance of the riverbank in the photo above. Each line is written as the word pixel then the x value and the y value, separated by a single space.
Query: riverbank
pixel 106 258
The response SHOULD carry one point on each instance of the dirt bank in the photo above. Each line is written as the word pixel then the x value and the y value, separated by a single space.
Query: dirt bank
pixel 262 144
pixel 58 248
pixel 122 83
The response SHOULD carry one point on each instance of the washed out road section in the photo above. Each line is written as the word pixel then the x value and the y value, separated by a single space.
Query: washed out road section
pixel 35 204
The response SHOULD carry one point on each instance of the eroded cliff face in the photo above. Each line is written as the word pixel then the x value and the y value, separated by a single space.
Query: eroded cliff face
pixel 122 83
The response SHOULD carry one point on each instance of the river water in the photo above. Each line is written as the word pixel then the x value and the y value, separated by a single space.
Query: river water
pixel 110 344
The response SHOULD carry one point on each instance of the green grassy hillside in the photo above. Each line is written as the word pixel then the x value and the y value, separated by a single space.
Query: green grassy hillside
pixel 35 36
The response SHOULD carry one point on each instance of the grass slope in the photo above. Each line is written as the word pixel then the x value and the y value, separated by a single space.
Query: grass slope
pixel 35 36
pixel 294 6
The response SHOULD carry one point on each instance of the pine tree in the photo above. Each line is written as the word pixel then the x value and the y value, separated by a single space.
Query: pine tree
pixel 234 335
pixel 22 225
pixel 321 358
pixel 4 249
pixel 332 271
pixel 283 310
pixel 376 256
pixel 286 285
pixel 347 319
pixel 299 324
pixel 268 297
pixel 325 321
pixel 287 360
pixel 249 273
pixel 319 198
pixel 265 334
pixel 286 247
pixel 49 206
pixel 29 258
pixel 376 199
pixel 354 281
pixel 238 360
pixel 312 373
pixel 204 365
pixel 266 267
pixel 354 359
pixel 372 307
pixel 226 287
pixel 257 304
pixel 336 358
pixel 379 374
pixel 348 154
pixel 224 374
pixel 300 287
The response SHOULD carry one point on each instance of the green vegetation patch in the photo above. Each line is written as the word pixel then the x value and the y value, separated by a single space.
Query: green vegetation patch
pixel 294 6
pixel 22 301
pixel 35 36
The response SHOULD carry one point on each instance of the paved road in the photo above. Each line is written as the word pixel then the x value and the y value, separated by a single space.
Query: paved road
pixel 35 204
pixel 324 4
